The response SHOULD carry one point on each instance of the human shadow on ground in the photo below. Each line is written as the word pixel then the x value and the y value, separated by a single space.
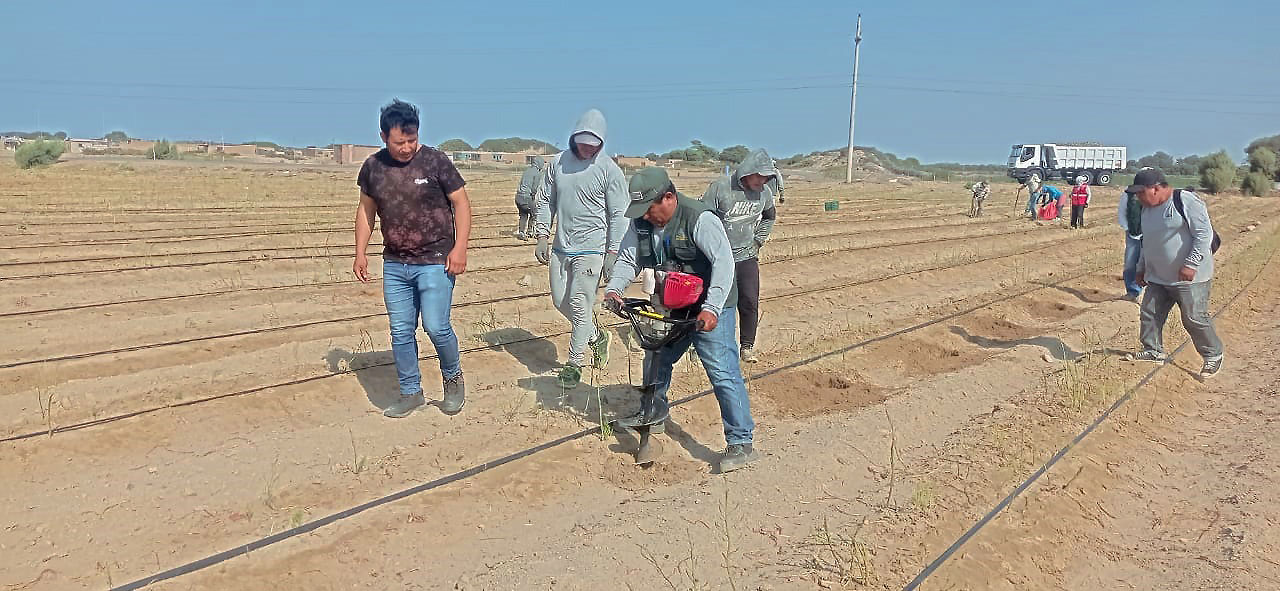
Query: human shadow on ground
pixel 1091 296
pixel 376 372
pixel 1056 348
pixel 536 353
pixel 617 400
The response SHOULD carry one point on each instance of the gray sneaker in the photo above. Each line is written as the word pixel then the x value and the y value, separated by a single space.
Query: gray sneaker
pixel 455 395
pixel 1149 356
pixel 748 354
pixel 1210 368
pixel 405 406
pixel 737 456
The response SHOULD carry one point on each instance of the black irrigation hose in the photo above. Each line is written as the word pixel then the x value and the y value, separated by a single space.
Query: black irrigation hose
pixel 1061 453
pixel 346 248
pixel 260 543
pixel 309 285
pixel 86 355
pixel 503 268
pixel 506 243
pixel 104 420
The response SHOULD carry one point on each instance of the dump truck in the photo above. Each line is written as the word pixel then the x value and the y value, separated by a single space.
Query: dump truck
pixel 1058 161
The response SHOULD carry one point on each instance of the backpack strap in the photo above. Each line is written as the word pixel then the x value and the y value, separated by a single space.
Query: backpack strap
pixel 1177 204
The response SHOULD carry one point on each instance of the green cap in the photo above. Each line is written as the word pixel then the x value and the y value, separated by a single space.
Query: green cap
pixel 646 186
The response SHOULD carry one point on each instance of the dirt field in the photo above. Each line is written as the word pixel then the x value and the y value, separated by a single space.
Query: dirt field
pixel 189 366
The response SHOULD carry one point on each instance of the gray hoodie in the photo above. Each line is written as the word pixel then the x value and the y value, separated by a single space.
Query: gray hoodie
pixel 530 183
pixel 748 215
pixel 587 197
pixel 1171 241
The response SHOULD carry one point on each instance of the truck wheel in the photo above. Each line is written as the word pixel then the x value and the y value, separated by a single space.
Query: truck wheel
pixel 1088 177
pixel 1104 178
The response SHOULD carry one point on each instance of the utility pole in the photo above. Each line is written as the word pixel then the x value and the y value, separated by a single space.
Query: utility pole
pixel 853 99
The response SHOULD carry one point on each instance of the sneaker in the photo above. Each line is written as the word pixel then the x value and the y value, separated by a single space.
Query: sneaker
pixel 748 354
pixel 570 376
pixel 455 395
pixel 600 350
pixel 737 456
pixel 1210 368
pixel 1130 297
pixel 520 236
pixel 405 406
pixel 1148 356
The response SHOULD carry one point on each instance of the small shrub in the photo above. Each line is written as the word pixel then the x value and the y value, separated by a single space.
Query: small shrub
pixel 1256 183
pixel 1217 172
pixel 1263 160
pixel 39 153
pixel 162 150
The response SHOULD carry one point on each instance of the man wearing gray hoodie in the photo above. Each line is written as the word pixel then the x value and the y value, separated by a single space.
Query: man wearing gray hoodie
pixel 530 183
pixel 744 202
pixel 585 191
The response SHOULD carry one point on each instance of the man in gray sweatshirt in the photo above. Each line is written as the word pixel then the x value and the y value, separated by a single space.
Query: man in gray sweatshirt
pixel 669 231
pixel 744 201
pixel 530 184
pixel 1175 266
pixel 586 192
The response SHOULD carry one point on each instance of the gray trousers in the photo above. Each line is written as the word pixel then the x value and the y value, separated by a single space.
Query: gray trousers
pixel 574 280
pixel 1193 303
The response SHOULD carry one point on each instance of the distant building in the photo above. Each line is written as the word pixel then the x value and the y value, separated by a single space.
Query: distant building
pixel 315 152
pixel 353 153
pixel 233 149
pixel 78 146
pixel 192 147
pixel 521 158
pixel 633 162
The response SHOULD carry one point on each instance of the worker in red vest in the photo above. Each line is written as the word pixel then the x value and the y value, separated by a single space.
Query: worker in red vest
pixel 1079 200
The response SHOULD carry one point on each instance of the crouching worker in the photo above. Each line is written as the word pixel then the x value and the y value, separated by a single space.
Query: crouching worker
pixel 669 231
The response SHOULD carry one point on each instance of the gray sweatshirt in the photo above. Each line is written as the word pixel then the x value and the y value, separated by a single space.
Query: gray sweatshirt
pixel 587 197
pixel 708 236
pixel 1170 242
pixel 748 215
pixel 530 183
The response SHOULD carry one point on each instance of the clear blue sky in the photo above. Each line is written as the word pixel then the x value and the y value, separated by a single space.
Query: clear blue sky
pixel 940 80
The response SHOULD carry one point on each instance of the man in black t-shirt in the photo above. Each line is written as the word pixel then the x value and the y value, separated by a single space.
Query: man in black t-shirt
pixel 426 222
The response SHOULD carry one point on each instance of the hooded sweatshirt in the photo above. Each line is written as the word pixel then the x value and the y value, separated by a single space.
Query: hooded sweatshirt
pixel 747 215
pixel 530 183
pixel 587 197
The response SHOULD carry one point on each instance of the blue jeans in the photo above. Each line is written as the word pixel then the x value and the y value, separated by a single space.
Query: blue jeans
pixel 718 351
pixel 410 292
pixel 1132 250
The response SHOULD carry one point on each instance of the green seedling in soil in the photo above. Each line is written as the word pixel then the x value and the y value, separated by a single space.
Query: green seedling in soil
pixel 842 554
pixel 726 530
pixel 924 497
pixel 358 461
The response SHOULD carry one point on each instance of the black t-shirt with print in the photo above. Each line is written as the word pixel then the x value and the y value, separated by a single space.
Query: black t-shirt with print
pixel 413 203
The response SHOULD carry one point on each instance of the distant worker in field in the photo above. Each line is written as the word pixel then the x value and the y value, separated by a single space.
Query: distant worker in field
pixel 744 201
pixel 1051 194
pixel 1130 217
pixel 1176 267
pixel 585 193
pixel 671 231
pixel 530 184
pixel 1080 196
pixel 1033 193
pixel 426 223
pixel 981 190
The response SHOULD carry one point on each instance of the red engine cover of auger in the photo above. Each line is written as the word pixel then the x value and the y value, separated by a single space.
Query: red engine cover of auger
pixel 681 290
